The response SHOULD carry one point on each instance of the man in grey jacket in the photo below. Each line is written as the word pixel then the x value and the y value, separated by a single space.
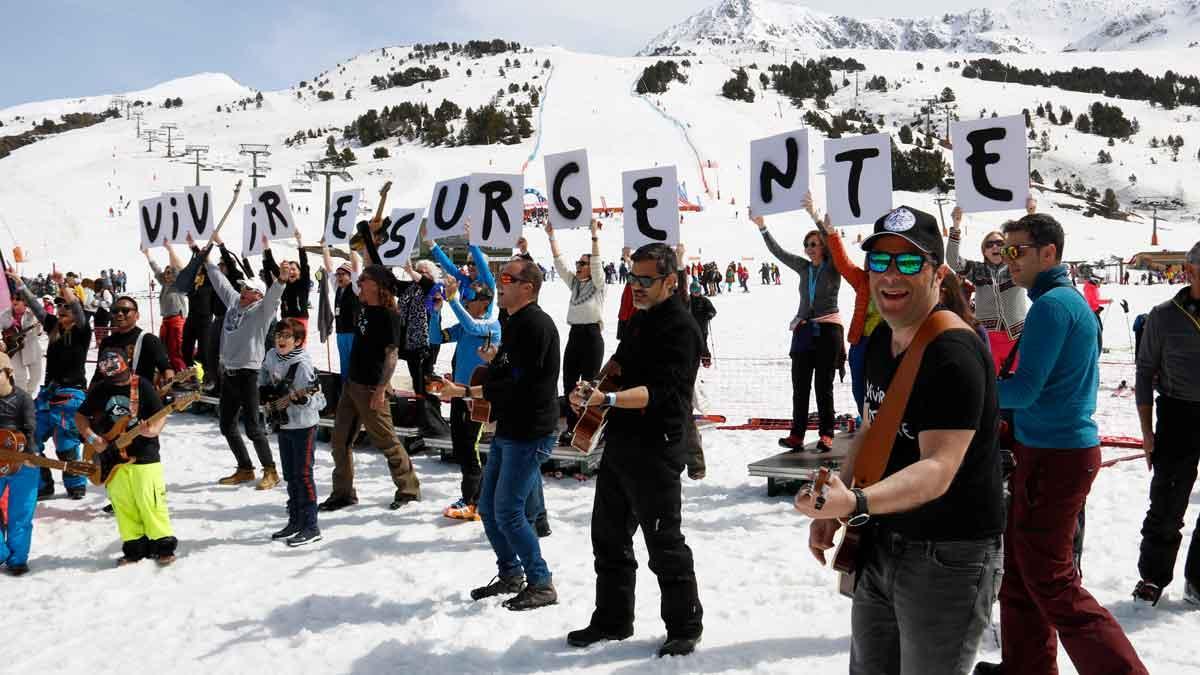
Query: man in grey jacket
pixel 1171 337
pixel 243 346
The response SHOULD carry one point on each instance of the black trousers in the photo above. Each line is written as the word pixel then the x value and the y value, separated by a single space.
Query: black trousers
pixel 640 487
pixel 581 360
pixel 1176 454
pixel 239 396
pixel 814 369
pixel 464 439
pixel 195 339
pixel 211 356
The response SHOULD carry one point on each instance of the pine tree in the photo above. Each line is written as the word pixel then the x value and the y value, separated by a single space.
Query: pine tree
pixel 348 157
pixel 1093 194
pixel 947 95
pixel 1110 203
pixel 906 136
pixel 1036 177
pixel 1082 123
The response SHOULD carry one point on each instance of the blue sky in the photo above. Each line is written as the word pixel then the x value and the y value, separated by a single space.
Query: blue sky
pixel 64 48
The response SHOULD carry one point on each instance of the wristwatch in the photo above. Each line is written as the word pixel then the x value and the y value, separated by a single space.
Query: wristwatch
pixel 610 399
pixel 861 512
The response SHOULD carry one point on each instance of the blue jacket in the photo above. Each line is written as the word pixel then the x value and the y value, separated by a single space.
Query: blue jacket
pixel 469 333
pixel 464 281
pixel 1053 392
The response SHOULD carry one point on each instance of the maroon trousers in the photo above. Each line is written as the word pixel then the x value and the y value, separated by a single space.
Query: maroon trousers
pixel 1042 599
pixel 171 334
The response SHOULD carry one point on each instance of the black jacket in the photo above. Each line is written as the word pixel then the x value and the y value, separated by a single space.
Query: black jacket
pixel 661 351
pixel 522 381
pixel 17 413
pixel 295 296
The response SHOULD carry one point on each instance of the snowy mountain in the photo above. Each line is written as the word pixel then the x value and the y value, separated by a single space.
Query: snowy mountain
pixel 1023 26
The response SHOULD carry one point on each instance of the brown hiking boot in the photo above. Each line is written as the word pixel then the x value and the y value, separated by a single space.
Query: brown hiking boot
pixel 239 476
pixel 269 480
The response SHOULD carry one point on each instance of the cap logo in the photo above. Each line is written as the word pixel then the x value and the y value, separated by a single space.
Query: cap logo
pixel 900 220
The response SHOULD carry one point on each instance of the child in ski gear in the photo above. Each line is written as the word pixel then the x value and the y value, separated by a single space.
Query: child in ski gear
pixel 288 371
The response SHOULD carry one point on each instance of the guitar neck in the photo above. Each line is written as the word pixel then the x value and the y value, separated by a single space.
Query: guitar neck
pixel 126 438
pixel 80 468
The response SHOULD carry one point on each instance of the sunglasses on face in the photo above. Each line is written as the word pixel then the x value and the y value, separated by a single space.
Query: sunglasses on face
pixel 582 263
pixel 1014 251
pixel 645 282
pixel 995 243
pixel 907 264
pixel 510 279
pixel 123 310
pixel 812 244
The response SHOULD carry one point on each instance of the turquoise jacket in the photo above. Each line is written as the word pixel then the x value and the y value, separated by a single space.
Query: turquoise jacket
pixel 1053 393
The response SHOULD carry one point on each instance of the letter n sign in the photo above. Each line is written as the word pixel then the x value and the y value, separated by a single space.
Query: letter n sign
pixel 778 173
pixel 991 167
pixel 858 178
pixel 651 206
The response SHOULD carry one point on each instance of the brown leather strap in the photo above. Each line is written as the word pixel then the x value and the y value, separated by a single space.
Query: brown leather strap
pixel 872 458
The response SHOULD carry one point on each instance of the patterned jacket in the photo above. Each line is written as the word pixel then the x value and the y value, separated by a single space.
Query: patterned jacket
pixel 1000 305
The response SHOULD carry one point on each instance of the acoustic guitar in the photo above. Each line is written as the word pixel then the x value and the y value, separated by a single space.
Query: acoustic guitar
pixel 110 451
pixel 589 429
pixel 13 457
pixel 376 224
pixel 179 378
pixel 276 408
pixel 14 338
pixel 845 556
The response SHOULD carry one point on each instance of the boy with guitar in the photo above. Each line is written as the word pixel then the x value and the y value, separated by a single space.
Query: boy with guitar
pixel 288 382
pixel 137 490
pixel 17 414
pixel 921 483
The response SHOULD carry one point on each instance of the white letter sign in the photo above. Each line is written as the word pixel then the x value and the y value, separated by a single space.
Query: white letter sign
pixel 651 198
pixel 496 209
pixel 448 208
pixel 343 214
pixel 401 231
pixel 271 212
pixel 778 173
pixel 199 216
pixel 251 234
pixel 858 178
pixel 152 222
pixel 569 190
pixel 990 163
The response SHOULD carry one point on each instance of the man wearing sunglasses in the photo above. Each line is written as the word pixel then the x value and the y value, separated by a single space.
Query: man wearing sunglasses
pixel 1057 452
pixel 932 553
pixel 585 311
pixel 145 352
pixel 645 452
pixel 1000 305
pixel 522 386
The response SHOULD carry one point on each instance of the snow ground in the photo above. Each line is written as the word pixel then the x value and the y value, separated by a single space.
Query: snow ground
pixel 388 591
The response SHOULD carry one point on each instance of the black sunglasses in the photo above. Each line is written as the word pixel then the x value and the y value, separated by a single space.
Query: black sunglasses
pixel 995 243
pixel 582 263
pixel 645 282
pixel 123 310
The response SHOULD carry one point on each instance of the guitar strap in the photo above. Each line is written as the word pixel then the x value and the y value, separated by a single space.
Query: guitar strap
pixel 876 450
pixel 134 386
pixel 137 351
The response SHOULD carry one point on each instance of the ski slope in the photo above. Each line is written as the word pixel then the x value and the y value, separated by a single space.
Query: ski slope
pixel 387 592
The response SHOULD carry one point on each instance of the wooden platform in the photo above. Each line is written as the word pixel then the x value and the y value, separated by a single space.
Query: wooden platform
pixel 797 467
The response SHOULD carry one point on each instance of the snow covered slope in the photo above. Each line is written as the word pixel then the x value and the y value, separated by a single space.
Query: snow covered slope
pixel 1023 26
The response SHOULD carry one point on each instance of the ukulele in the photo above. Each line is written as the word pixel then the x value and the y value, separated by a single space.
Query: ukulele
pixel 277 407
pixel 845 556
pixel 179 378
pixel 110 451
pixel 14 338
pixel 13 457
pixel 589 429
pixel 376 224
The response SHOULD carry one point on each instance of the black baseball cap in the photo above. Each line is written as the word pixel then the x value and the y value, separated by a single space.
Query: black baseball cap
pixel 916 227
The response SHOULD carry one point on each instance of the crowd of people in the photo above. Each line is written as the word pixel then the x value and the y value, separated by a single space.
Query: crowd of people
pixel 999 357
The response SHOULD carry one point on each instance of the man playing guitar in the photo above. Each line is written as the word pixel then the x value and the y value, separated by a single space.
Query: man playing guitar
pixel 927 575
pixel 646 448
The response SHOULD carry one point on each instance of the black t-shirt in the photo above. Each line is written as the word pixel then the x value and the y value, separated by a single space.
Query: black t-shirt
pixel 378 328
pixel 106 403
pixel 66 356
pixel 954 389
pixel 345 309
pixel 151 361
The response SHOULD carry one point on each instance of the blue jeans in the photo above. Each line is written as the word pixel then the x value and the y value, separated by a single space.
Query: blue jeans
pixel 56 407
pixel 345 342
pixel 511 477
pixel 22 500
pixel 858 377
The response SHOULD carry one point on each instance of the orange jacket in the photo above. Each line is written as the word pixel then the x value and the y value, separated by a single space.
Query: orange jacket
pixel 858 279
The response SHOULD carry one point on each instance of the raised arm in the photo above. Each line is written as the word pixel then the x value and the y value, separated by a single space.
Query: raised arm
pixel 798 263
pixel 954 258
pixel 225 290
pixel 305 272
pixel 173 257
pixel 482 270
pixel 31 300
pixel 565 273
pixel 153 265
pixel 369 243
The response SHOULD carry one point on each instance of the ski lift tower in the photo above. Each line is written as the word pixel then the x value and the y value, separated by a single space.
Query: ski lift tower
pixel 169 127
pixel 326 169
pixel 195 151
pixel 254 150
pixel 138 116
pixel 1154 204
pixel 120 104
pixel 151 136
